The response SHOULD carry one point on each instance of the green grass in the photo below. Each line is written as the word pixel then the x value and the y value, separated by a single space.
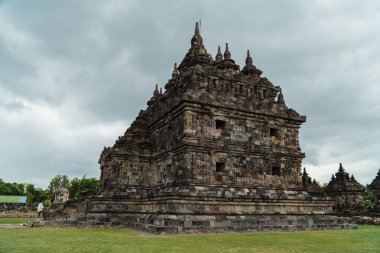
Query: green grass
pixel 13 221
pixel 366 239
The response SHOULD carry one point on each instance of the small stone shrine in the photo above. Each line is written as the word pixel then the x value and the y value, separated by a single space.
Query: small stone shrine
pixel 216 151
pixel 346 192
pixel 375 185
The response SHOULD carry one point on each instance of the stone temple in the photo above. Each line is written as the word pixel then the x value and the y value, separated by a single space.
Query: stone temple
pixel 216 151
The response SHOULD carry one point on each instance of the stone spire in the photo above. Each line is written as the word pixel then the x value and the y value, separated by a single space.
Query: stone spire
pixel 197 41
pixel 154 98
pixel 249 68
pixel 341 169
pixel 175 71
pixel 248 60
pixel 156 92
pixel 227 62
pixel 304 172
pixel 305 177
pixel 227 53
pixel 197 29
pixel 280 99
pixel 197 53
pixel 219 56
pixel 376 183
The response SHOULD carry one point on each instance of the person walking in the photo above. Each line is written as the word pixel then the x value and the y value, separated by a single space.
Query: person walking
pixel 40 210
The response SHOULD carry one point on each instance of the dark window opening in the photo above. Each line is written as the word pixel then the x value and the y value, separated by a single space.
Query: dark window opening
pixel 170 128
pixel 220 167
pixel 214 83
pixel 273 132
pixel 220 124
pixel 276 170
pixel 265 94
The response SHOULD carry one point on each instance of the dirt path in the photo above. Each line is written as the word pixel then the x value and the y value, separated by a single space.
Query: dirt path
pixel 12 226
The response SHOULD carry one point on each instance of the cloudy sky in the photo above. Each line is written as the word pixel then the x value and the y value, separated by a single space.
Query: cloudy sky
pixel 74 75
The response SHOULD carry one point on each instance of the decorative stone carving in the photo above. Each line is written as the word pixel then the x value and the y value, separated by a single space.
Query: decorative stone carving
pixel 61 194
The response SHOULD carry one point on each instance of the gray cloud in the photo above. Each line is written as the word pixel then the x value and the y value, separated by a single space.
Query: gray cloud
pixel 73 75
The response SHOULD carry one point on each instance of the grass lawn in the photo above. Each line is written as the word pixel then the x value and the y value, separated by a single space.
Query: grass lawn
pixel 13 221
pixel 366 239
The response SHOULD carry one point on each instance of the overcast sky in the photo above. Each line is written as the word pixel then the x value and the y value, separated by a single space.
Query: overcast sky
pixel 74 75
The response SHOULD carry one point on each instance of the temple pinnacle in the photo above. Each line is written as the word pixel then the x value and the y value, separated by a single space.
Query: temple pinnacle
pixel 175 71
pixel 197 28
pixel 219 56
pixel 155 93
pixel 341 167
pixel 227 53
pixel 280 99
pixel 248 60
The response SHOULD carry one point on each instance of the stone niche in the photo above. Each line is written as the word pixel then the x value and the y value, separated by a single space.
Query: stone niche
pixel 216 151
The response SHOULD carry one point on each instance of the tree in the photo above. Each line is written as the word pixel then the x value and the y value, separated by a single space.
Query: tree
pixel 368 197
pixel 55 183
pixel 40 195
pixel 35 195
pixel 78 184
pixel 11 188
pixel 30 193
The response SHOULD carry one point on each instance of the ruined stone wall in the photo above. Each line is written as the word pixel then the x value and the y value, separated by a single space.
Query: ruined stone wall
pixel 17 211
